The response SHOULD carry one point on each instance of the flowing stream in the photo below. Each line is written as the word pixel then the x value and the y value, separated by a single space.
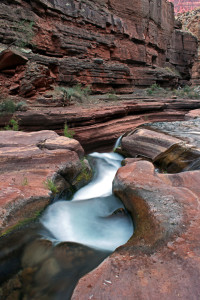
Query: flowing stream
pixel 71 238
pixel 94 217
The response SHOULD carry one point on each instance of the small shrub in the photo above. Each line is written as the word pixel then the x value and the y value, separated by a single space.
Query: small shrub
pixel 154 88
pixel 68 132
pixel 25 181
pixel 51 186
pixel 7 106
pixel 13 125
pixel 21 106
pixel 78 91
pixel 187 92
pixel 112 96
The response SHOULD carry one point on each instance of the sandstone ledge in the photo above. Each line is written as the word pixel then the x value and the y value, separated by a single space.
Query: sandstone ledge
pixel 98 125
pixel 29 163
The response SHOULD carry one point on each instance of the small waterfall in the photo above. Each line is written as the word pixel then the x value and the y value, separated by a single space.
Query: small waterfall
pixel 118 143
pixel 92 217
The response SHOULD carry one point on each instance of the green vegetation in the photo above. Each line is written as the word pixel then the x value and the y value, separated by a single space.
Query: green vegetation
pixel 51 186
pixel 75 93
pixel 7 106
pixel 68 132
pixel 20 106
pixel 85 174
pixel 112 96
pixel 25 27
pixel 173 71
pixel 154 88
pixel 13 125
pixel 187 92
pixel 25 181
pixel 22 223
pixel 78 91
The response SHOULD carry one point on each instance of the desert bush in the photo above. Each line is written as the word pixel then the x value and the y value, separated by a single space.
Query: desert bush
pixel 153 89
pixel 21 106
pixel 8 106
pixel 112 96
pixel 12 125
pixel 68 132
pixel 187 92
pixel 79 92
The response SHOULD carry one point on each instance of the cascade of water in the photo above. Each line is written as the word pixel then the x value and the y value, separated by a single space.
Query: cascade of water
pixel 91 218
pixel 118 142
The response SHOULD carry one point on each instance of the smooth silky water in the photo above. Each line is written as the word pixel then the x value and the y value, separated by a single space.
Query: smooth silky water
pixel 94 217
pixel 75 235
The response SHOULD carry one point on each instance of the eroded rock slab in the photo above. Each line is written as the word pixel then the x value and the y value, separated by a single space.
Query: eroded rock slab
pixel 161 260
pixel 170 146
pixel 98 126
pixel 32 164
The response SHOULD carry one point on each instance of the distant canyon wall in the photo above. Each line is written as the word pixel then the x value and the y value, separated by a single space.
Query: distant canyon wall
pixel 191 22
pixel 109 44
pixel 181 6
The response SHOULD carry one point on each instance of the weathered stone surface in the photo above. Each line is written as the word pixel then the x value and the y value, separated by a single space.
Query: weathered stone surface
pixel 107 44
pixel 168 152
pixel 98 126
pixel 27 162
pixel 192 114
pixel 161 260
pixel 147 143
pixel 11 59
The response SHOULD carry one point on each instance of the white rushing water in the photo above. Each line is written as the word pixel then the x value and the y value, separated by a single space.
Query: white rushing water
pixel 91 218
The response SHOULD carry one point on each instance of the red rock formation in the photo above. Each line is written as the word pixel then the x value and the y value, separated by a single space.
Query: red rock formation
pixel 27 161
pixel 98 127
pixel 161 260
pixel 110 44
pixel 181 6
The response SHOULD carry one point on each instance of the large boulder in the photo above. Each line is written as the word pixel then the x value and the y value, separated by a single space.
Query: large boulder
pixel 34 166
pixel 161 260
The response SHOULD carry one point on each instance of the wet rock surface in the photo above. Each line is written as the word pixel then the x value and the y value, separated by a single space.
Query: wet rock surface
pixel 32 164
pixel 161 260
pixel 37 269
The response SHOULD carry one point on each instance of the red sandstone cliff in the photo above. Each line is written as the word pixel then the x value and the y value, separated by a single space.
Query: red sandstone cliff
pixel 107 44
pixel 185 5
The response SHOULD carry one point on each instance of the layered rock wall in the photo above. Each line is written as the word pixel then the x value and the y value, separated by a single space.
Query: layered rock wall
pixel 191 23
pixel 108 44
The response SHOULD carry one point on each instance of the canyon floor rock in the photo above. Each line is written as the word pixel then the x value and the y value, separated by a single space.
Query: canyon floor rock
pixel 32 164
pixel 161 260
pixel 98 123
